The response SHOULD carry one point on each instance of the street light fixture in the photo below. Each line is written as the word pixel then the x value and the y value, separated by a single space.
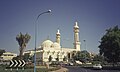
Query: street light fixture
pixel 49 11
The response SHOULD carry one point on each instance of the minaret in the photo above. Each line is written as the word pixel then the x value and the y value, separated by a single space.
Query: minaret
pixel 76 37
pixel 58 36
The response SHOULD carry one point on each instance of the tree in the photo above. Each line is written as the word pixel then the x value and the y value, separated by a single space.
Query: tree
pixel 83 56
pixel 26 57
pixel 110 45
pixel 98 59
pixel 22 41
pixel 2 51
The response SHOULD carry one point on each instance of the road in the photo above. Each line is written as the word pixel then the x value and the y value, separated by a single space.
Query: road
pixel 79 69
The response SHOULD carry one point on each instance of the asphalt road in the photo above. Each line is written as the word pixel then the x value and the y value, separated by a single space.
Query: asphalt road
pixel 79 69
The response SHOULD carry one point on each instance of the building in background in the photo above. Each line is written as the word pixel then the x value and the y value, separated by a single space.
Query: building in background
pixel 8 56
pixel 52 51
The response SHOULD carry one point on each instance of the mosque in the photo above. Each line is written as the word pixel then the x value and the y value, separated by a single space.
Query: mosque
pixel 52 51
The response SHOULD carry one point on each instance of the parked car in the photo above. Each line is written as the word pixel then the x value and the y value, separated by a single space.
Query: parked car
pixel 70 64
pixel 97 66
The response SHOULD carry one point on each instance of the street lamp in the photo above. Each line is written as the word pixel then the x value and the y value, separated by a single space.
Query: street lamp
pixel 49 11
pixel 85 49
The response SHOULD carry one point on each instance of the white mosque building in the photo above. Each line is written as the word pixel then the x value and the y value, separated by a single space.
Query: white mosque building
pixel 54 50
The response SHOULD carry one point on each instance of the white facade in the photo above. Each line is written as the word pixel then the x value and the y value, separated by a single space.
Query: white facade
pixel 53 49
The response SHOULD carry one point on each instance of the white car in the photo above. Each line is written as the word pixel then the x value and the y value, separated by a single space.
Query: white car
pixel 70 64
pixel 97 66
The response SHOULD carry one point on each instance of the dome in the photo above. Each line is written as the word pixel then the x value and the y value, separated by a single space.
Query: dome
pixel 56 45
pixel 47 43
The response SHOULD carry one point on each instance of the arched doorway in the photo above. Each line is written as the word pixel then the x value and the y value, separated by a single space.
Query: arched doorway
pixel 68 55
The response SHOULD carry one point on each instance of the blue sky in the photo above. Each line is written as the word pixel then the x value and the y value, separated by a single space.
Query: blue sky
pixel 93 16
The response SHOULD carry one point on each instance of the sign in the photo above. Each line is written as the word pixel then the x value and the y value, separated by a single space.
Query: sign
pixel 17 63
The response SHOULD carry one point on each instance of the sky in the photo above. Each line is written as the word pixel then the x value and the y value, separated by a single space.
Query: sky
pixel 93 17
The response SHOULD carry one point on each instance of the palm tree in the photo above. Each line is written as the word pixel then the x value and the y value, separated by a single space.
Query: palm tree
pixel 22 41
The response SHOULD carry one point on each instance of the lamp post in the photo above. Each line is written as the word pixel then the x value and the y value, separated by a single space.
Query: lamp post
pixel 85 43
pixel 85 49
pixel 49 11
